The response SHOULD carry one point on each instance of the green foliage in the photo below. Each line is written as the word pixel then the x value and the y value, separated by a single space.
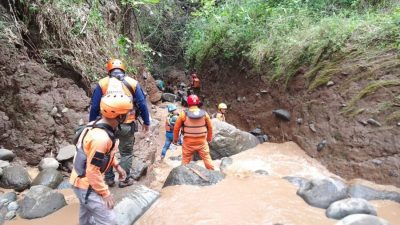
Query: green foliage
pixel 284 35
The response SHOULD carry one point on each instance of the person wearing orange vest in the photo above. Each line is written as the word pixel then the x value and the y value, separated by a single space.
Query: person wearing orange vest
pixel 222 107
pixel 169 128
pixel 195 84
pixel 197 132
pixel 116 70
pixel 95 153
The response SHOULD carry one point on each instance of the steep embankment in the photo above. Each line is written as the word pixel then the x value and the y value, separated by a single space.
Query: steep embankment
pixel 52 54
pixel 365 85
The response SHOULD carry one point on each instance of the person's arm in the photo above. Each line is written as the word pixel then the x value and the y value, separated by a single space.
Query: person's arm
pixel 177 127
pixel 142 104
pixel 209 128
pixel 98 148
pixel 95 103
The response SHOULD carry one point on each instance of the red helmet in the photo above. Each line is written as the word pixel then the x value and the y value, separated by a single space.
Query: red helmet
pixel 193 100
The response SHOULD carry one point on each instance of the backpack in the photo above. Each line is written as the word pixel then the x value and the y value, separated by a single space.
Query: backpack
pixel 80 158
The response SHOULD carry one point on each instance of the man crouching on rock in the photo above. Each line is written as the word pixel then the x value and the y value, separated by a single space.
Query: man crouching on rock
pixel 95 154
pixel 197 132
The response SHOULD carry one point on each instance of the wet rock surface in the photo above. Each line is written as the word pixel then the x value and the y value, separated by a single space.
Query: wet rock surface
pixel 66 153
pixel 345 207
pixel 15 177
pixel 226 161
pixel 41 201
pixel 228 140
pixel 48 177
pixel 6 154
pixel 362 219
pixel 48 163
pixel 136 202
pixel 322 192
pixel 368 193
pixel 192 174
pixel 138 169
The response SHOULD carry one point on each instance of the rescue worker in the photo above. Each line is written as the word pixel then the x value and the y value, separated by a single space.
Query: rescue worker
pixel 197 132
pixel 195 85
pixel 96 150
pixel 169 128
pixel 125 133
pixel 222 107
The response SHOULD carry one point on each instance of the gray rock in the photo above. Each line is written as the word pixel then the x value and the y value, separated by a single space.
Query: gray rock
pixel 134 205
pixel 66 153
pixel 226 161
pixel 312 128
pixel 367 193
pixel 377 162
pixel 398 124
pixel 13 206
pixel 15 177
pixel 10 215
pixel 4 164
pixel 297 181
pixel 139 169
pixel 299 121
pixel 168 97
pixel 263 138
pixel 48 177
pixel 1 172
pixel 345 207
pixel 257 131
pixel 228 140
pixel 41 201
pixel 8 197
pixel 176 158
pixel 47 163
pixel 374 122
pixel 322 192
pixel 282 114
pixel 53 111
pixel 321 145
pixel 192 174
pixel 363 122
pixel 64 185
pixel 330 83
pixel 362 219
pixel 6 154
pixel 262 172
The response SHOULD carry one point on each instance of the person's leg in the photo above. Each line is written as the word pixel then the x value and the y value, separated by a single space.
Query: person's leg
pixel 168 141
pixel 126 140
pixel 101 213
pixel 187 155
pixel 84 213
pixel 206 157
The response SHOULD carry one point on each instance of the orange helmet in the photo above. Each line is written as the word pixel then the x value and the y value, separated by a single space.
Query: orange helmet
pixel 114 105
pixel 115 64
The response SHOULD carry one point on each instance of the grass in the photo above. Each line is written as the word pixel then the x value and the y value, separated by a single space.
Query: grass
pixel 369 89
pixel 394 117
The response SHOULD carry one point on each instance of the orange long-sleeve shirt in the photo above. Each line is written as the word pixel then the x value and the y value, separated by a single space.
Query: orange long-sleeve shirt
pixel 96 140
pixel 192 140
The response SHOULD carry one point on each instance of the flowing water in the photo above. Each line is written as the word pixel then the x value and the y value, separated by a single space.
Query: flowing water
pixel 243 197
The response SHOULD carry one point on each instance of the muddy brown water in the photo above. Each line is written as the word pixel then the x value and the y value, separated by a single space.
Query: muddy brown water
pixel 242 198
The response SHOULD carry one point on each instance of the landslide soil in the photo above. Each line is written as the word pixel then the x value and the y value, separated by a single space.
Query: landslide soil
pixel 353 149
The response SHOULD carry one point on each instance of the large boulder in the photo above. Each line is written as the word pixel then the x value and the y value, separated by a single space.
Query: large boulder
pixel 168 97
pixel 362 219
pixel 66 153
pixel 228 140
pixel 345 207
pixel 41 201
pixel 139 168
pixel 192 174
pixel 15 177
pixel 6 155
pixel 134 205
pixel 4 164
pixel 48 177
pixel 47 163
pixel 367 193
pixel 8 197
pixel 296 181
pixel 322 192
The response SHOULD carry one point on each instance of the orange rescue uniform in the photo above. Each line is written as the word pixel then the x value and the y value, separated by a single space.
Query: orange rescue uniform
pixel 195 136
pixel 96 143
